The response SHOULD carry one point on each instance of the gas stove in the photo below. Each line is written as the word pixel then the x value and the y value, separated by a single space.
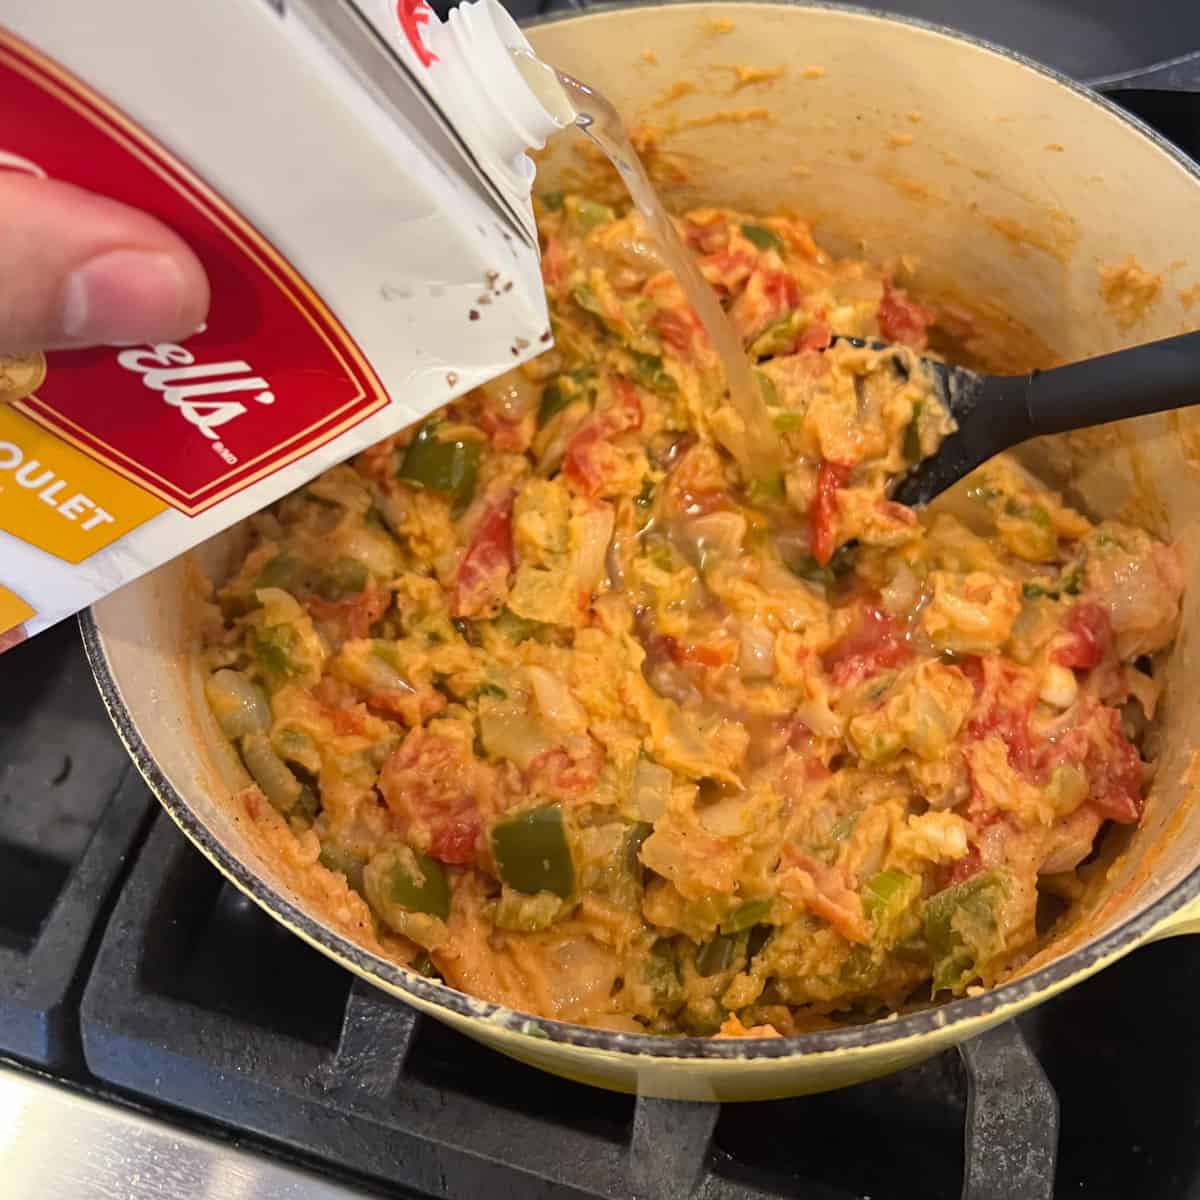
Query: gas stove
pixel 162 1037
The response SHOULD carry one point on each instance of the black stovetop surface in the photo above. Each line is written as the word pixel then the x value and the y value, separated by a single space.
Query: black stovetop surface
pixel 130 969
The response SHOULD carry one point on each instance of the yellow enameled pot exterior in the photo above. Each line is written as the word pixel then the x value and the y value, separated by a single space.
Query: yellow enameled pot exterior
pixel 997 181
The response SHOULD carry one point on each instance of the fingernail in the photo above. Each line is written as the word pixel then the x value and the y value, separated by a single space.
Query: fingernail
pixel 123 296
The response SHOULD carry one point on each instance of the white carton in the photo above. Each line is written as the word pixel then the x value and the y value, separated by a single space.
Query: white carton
pixel 364 219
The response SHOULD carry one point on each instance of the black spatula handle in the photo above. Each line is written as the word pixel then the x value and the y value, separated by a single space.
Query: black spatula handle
pixel 1129 383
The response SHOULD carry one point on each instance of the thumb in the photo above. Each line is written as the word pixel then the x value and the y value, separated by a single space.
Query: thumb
pixel 77 269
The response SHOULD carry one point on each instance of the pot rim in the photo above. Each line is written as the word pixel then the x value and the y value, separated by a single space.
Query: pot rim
pixel 967 1011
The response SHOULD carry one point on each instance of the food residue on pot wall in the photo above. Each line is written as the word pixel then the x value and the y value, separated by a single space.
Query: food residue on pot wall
pixel 1128 291
pixel 1058 241
pixel 749 76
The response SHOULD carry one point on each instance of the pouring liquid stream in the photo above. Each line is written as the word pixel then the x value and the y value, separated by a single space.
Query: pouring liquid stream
pixel 754 446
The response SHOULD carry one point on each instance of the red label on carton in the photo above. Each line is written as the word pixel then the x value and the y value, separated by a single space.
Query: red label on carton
pixel 270 377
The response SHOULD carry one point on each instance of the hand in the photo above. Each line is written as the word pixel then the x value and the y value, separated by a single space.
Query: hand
pixel 77 269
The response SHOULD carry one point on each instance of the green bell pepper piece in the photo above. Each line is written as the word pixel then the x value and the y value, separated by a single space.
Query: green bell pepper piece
pixel 764 491
pixel 589 214
pixel 429 893
pixel 347 577
pixel 962 930
pixel 787 422
pixel 447 467
pixel 269 647
pixel 912 435
pixel 532 853
pixel 764 239
pixel 423 965
pixel 746 916
pixel 886 897
pixel 715 956
pixel 648 369
pixel 555 398
pixel 334 858
pixel 284 571
pixel 633 845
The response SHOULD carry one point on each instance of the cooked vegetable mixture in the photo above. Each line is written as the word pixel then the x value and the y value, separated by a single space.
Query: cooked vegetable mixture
pixel 554 705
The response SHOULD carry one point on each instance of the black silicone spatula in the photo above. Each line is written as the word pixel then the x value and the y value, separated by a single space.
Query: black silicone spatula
pixel 997 412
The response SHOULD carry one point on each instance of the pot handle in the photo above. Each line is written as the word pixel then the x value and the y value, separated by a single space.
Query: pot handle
pixel 1180 74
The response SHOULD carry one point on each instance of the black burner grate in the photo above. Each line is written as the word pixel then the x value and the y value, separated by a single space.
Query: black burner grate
pixel 70 810
pixel 198 1000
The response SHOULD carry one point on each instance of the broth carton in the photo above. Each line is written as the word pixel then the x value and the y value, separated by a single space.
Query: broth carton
pixel 353 176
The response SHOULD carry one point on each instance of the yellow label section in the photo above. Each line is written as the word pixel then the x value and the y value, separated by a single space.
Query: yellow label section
pixel 56 498
pixel 13 610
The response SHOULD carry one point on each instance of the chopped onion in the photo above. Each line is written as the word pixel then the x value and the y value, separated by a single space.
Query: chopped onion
pixel 731 816
pixel 758 652
pixel 240 706
pixel 651 789
pixel 373 548
pixel 278 784
pixel 556 703
pixel 902 594
pixel 819 717
pixel 591 532
pixel 512 396
pixel 279 607
pixel 508 731
pixel 719 533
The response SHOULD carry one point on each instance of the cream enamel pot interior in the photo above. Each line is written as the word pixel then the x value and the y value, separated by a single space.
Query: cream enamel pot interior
pixel 992 176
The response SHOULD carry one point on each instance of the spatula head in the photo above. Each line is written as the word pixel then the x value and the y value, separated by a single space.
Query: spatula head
pixel 977 436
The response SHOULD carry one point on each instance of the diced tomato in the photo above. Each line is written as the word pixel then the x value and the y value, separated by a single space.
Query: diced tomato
pixel 897 514
pixel 1115 775
pixel 1011 725
pixel 589 459
pixel 1111 763
pixel 482 579
pixel 972 668
pixel 660 648
pixel 877 643
pixel 378 462
pixel 825 892
pixel 350 616
pixel 456 840
pixel 831 477
pixel 798 735
pixel 903 320
pixel 564 776
pixel 513 437
pixel 816 336
pixel 728 270
pixel 626 411
pixel 716 652
pixel 432 786
pixel 706 238
pixel 769 296
pixel 963 868
pixel 677 328
pixel 1090 637
pixel 1004 701
pixel 413 706
pixel 554 262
